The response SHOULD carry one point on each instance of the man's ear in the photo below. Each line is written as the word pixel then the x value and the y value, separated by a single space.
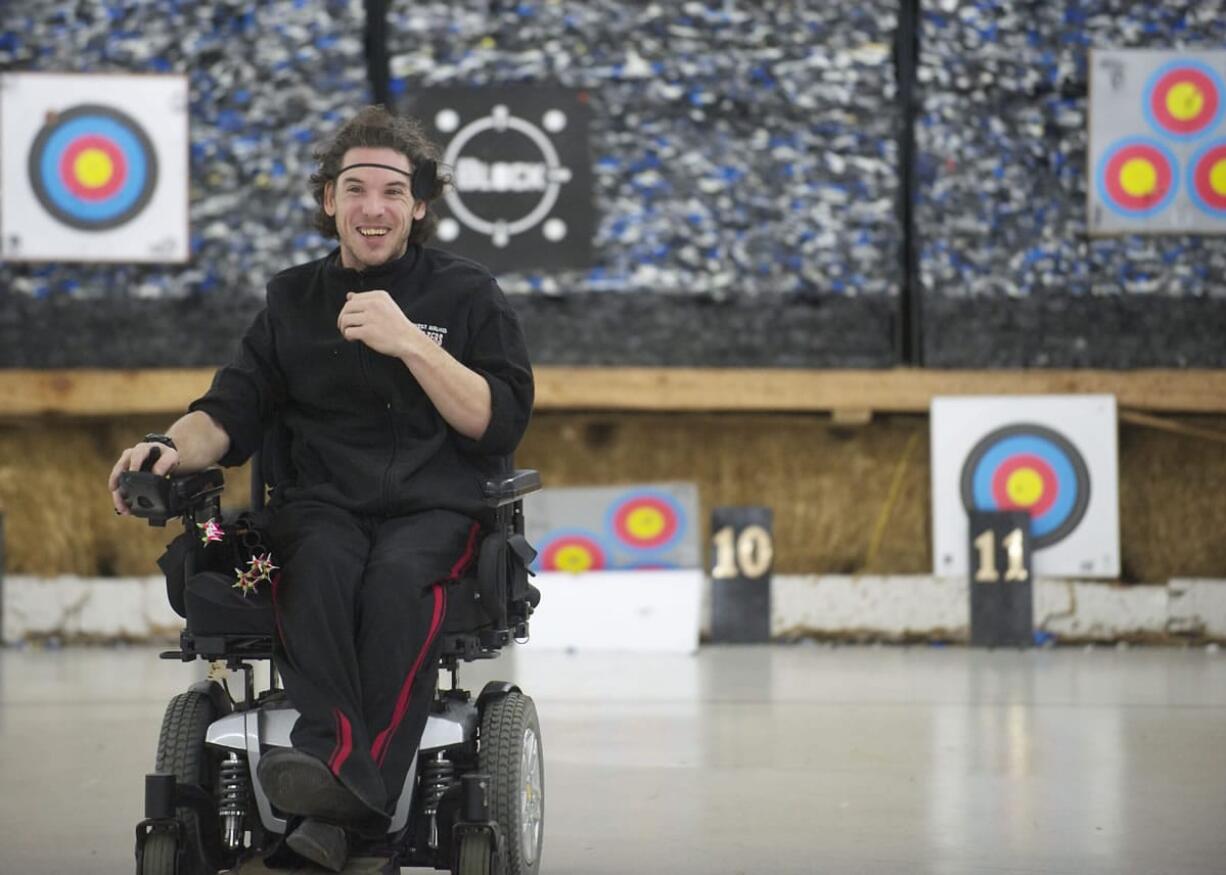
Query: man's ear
pixel 419 211
pixel 330 198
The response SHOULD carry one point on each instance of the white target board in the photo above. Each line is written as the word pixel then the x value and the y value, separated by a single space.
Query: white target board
pixel 1054 456
pixel 93 167
pixel 1157 142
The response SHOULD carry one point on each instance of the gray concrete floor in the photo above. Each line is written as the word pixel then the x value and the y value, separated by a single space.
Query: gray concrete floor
pixel 786 759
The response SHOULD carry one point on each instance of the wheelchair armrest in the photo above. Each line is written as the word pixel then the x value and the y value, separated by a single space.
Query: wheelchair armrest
pixel 159 499
pixel 509 489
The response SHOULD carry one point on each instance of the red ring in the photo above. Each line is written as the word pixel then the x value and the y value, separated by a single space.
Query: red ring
pixel 119 168
pixel 550 554
pixel 1116 190
pixel 1000 484
pixel 1201 180
pixel 623 529
pixel 1157 101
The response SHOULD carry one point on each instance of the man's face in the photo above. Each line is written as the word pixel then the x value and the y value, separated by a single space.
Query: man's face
pixel 373 207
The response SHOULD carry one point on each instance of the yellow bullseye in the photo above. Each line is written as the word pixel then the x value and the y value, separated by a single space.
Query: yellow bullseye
pixel 1185 101
pixel 93 168
pixel 573 558
pixel 1024 487
pixel 1138 177
pixel 1217 177
pixel 645 522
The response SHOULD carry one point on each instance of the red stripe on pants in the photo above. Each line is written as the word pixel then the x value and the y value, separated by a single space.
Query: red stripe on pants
pixel 382 741
pixel 344 743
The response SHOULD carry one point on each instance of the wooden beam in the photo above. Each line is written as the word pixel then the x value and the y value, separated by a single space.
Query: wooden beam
pixel 82 392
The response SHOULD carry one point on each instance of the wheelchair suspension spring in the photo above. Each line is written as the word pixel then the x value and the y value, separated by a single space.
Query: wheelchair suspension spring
pixel 232 795
pixel 437 774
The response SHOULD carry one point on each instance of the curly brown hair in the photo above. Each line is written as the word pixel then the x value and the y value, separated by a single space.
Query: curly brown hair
pixel 375 127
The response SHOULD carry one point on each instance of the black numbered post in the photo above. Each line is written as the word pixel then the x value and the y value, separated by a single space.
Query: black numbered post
pixel 742 555
pixel 1001 579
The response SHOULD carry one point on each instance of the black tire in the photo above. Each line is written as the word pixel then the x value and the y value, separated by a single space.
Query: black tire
pixel 159 855
pixel 181 750
pixel 510 753
pixel 474 858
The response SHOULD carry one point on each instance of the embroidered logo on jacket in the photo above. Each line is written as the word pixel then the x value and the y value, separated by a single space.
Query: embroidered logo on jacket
pixel 433 332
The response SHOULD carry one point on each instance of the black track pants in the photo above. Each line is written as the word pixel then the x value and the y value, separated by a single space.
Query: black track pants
pixel 360 604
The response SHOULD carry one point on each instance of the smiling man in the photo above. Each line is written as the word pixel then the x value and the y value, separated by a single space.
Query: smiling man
pixel 398 377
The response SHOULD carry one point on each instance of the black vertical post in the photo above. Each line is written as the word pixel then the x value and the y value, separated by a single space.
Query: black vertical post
pixel 908 338
pixel 378 66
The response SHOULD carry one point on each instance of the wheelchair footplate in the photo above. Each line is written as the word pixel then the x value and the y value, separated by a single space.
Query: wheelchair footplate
pixel 355 866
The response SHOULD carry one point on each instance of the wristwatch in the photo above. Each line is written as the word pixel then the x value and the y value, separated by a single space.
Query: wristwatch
pixel 164 439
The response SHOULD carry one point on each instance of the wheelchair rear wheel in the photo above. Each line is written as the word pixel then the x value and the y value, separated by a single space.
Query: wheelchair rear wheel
pixel 181 750
pixel 510 753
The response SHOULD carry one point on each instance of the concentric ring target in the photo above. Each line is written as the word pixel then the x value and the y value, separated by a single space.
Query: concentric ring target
pixel 1136 177
pixel 571 550
pixel 93 167
pixel 1207 179
pixel 1184 99
pixel 1032 468
pixel 646 520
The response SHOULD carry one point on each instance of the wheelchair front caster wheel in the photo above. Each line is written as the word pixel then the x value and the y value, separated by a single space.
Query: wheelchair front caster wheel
pixel 476 855
pixel 159 855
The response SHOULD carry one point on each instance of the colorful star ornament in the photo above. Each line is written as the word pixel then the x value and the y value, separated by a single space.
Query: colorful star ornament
pixel 259 568
pixel 210 532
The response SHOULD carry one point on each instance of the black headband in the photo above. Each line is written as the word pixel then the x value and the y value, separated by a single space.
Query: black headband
pixel 384 166
pixel 423 180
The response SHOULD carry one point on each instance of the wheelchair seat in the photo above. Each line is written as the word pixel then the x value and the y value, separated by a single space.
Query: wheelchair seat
pixel 487 608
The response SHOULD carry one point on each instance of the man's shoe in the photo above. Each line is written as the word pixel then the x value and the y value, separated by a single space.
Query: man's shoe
pixel 322 843
pixel 297 783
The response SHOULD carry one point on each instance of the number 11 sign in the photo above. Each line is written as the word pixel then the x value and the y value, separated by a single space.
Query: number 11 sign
pixel 1001 578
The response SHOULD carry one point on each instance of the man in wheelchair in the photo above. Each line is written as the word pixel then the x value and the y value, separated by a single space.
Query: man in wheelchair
pixel 398 376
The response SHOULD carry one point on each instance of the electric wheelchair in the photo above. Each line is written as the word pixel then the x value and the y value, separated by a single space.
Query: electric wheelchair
pixel 473 800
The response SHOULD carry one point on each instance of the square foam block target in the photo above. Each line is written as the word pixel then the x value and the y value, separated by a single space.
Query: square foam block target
pixel 1054 456
pixel 93 167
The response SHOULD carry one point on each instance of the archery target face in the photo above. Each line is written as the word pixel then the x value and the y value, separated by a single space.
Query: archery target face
pixel 1053 456
pixel 646 520
pixel 93 168
pixel 573 551
pixel 1151 114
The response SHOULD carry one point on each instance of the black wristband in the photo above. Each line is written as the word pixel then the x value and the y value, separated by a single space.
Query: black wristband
pixel 163 439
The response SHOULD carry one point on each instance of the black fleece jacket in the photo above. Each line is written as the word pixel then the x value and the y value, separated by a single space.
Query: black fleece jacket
pixel 363 435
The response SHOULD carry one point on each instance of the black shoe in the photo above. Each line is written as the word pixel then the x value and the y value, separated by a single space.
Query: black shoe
pixel 322 843
pixel 297 783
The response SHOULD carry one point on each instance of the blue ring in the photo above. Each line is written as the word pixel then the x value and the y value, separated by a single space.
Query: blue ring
pixel 1152 83
pixel 553 535
pixel 1066 478
pixel 610 520
pixel 1101 173
pixel 129 147
pixel 1216 212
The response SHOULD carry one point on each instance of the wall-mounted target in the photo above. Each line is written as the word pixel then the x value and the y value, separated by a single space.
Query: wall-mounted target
pixel 1184 99
pixel 1032 468
pixel 646 520
pixel 1136 177
pixel 1207 179
pixel 571 550
pixel 93 167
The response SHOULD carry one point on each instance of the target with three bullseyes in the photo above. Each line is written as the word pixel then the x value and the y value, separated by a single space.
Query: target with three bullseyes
pixel 1053 456
pixel 1157 154
pixel 614 529
pixel 93 168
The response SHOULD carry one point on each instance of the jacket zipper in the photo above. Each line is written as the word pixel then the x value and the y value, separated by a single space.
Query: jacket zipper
pixel 363 352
